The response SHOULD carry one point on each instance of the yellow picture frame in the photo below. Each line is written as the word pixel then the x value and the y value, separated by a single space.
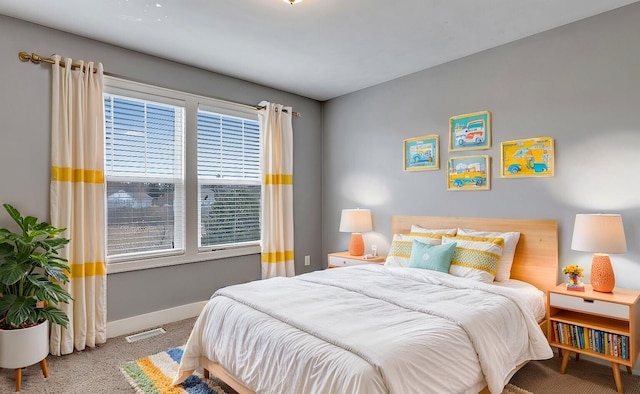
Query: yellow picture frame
pixel 422 153
pixel 470 131
pixel 530 157
pixel 469 173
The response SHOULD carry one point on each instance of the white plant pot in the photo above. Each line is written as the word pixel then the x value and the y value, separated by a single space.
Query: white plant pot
pixel 23 347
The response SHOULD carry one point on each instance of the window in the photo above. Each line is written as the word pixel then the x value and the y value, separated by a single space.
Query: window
pixel 145 177
pixel 155 216
pixel 229 179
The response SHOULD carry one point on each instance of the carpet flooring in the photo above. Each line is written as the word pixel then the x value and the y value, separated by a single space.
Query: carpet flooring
pixel 97 370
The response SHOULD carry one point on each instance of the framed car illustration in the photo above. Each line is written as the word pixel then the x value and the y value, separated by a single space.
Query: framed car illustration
pixel 469 173
pixel 470 131
pixel 532 157
pixel 422 153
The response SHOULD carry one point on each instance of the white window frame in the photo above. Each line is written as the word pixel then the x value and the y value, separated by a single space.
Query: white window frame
pixel 192 253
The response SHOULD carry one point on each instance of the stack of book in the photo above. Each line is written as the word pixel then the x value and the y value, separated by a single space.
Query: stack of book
pixel 575 286
pixel 595 340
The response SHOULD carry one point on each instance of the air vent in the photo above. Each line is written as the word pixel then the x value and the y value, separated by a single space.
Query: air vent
pixel 144 335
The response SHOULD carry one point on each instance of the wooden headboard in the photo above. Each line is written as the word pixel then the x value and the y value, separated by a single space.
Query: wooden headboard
pixel 536 258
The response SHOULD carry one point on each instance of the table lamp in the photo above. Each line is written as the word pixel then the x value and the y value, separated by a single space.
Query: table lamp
pixel 355 221
pixel 600 234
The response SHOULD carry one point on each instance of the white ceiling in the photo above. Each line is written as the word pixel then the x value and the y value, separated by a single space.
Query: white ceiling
pixel 318 48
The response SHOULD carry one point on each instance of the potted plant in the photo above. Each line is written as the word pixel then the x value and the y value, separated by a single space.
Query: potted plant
pixel 30 275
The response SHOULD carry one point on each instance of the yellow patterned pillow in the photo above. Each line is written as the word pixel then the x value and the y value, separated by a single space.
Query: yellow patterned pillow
pixel 475 258
pixel 400 251
pixel 430 236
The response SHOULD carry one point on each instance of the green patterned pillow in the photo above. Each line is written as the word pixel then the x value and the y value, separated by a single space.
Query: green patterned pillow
pixel 475 258
pixel 431 257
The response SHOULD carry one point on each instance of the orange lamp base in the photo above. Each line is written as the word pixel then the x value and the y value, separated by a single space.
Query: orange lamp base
pixel 602 277
pixel 356 244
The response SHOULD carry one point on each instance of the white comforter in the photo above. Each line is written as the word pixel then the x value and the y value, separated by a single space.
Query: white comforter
pixel 366 329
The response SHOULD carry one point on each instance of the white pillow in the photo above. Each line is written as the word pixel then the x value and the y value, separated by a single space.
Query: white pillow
pixel 431 234
pixel 508 252
pixel 475 258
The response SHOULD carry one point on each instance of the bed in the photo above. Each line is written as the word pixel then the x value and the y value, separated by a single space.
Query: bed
pixel 364 328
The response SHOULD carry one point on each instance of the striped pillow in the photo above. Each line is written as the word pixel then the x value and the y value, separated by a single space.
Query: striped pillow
pixel 400 251
pixel 475 258
pixel 430 236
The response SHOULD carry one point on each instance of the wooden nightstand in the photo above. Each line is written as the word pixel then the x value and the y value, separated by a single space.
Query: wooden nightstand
pixel 601 325
pixel 344 259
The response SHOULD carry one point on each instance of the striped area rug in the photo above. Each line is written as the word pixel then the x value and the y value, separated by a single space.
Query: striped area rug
pixel 154 374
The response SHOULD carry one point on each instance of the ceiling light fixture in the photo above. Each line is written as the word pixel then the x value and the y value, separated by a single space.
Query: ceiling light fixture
pixel 292 2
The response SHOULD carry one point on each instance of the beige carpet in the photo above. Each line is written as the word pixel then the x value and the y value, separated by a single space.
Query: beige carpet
pixel 96 371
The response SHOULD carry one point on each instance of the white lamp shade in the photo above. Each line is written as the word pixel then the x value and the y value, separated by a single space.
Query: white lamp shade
pixel 599 233
pixel 355 221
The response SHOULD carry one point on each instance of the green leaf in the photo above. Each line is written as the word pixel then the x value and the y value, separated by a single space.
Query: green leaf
pixel 29 223
pixel 15 215
pixel 11 271
pixel 22 310
pixel 45 290
pixel 6 300
pixel 55 243
pixel 54 315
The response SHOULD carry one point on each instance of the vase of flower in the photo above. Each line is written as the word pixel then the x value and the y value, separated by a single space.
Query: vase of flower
pixel 574 273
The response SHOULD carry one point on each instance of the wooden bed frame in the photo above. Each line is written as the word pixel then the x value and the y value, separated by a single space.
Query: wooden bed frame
pixel 535 262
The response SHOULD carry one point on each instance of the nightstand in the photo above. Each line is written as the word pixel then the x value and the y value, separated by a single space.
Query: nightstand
pixel 344 259
pixel 601 325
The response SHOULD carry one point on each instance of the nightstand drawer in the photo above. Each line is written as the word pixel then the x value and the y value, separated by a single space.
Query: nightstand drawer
pixel 602 308
pixel 337 261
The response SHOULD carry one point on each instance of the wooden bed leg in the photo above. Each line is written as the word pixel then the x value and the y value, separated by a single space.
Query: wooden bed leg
pixel 577 356
pixel 565 360
pixel 629 370
pixel 206 373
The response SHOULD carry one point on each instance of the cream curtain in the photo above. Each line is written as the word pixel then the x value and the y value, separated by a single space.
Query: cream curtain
pixel 276 152
pixel 77 200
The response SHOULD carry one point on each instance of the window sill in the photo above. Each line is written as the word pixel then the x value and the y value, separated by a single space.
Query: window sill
pixel 178 259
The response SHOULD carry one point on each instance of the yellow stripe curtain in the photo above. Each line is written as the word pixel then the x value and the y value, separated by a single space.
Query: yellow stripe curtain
pixel 276 152
pixel 77 200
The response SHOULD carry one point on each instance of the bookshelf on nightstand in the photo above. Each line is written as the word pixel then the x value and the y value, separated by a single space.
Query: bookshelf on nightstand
pixel 344 259
pixel 600 325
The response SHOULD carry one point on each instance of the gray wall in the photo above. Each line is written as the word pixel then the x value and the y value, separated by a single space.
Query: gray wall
pixel 25 143
pixel 578 84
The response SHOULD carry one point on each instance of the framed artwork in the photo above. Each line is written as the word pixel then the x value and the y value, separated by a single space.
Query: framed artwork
pixel 527 158
pixel 470 131
pixel 469 173
pixel 422 153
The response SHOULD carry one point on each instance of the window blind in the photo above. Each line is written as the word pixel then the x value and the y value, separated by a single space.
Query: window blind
pixel 145 176
pixel 229 179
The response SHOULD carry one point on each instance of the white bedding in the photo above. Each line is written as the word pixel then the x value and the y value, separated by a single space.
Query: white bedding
pixel 367 329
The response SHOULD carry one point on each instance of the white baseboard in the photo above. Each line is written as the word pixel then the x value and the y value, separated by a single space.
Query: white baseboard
pixel 153 319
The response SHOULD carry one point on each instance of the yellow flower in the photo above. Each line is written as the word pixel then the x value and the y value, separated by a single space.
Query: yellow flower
pixel 573 270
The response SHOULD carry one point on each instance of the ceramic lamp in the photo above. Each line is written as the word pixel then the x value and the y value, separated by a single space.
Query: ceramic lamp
pixel 600 234
pixel 356 221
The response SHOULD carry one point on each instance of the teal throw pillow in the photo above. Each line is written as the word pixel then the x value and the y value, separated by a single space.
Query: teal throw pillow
pixel 431 257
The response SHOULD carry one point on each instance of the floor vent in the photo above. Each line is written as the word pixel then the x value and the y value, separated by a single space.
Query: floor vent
pixel 144 335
